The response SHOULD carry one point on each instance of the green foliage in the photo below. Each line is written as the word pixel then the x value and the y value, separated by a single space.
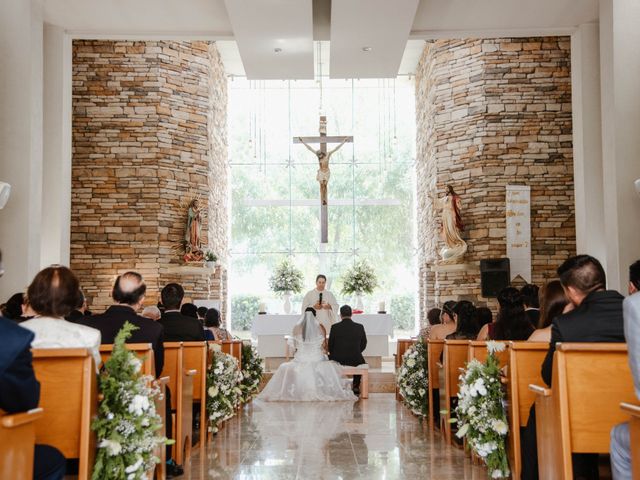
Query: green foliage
pixel 286 278
pixel 223 387
pixel 251 372
pixel 209 256
pixel 127 421
pixel 481 415
pixel 360 278
pixel 244 308
pixel 403 310
pixel 412 379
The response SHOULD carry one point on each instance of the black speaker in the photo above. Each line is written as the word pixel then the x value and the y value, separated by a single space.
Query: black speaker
pixel 495 275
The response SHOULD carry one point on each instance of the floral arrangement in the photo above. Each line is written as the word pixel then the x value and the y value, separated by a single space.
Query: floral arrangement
pixel 251 372
pixel 209 256
pixel 481 415
pixel 360 278
pixel 286 278
pixel 127 422
pixel 223 387
pixel 412 379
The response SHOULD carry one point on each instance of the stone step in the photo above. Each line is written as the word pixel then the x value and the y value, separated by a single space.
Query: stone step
pixel 379 381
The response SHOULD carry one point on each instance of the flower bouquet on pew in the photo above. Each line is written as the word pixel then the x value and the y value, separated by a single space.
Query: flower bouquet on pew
pixel 412 379
pixel 481 413
pixel 223 387
pixel 251 372
pixel 127 423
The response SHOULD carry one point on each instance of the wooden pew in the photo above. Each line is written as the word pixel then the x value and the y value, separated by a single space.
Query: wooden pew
pixel 161 409
pixel 17 437
pixel 194 356
pixel 68 394
pixel 143 351
pixel 402 346
pixel 577 414
pixel 525 362
pixel 633 409
pixel 231 347
pixel 478 350
pixel 455 356
pixel 181 387
pixel 434 351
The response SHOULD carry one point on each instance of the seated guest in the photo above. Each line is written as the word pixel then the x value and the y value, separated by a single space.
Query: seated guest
pixel 128 293
pixel 554 302
pixel 52 295
pixel 531 298
pixel 512 322
pixel 151 312
pixel 433 318
pixel 13 308
pixel 212 324
pixel 189 309
pixel 597 317
pixel 484 315
pixel 620 441
pixel 464 314
pixel 447 323
pixel 20 391
pixel 178 327
pixel 77 313
pixel 202 311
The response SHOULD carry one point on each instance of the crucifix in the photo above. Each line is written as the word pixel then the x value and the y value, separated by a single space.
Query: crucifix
pixel 324 173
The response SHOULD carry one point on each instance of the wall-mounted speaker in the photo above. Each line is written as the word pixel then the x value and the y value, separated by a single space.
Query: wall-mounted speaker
pixel 495 275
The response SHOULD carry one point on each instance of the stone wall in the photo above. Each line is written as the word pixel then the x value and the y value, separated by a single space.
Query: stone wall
pixel 490 113
pixel 149 134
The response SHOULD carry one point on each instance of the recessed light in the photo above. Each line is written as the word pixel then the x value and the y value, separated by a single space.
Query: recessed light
pixel 277 50
pixel 366 49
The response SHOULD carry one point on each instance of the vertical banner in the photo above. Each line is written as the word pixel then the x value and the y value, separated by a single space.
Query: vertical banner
pixel 518 211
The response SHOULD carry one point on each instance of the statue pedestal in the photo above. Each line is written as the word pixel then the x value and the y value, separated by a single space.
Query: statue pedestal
pixel 473 267
pixel 189 270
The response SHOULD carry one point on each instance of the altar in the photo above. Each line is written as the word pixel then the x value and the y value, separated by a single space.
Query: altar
pixel 270 330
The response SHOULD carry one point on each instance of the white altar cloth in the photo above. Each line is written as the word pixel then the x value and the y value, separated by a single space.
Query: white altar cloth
pixel 270 330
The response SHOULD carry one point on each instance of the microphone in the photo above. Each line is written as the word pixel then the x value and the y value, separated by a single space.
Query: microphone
pixel 320 299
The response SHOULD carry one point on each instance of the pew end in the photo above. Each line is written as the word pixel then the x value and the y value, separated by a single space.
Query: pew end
pixel 434 350
pixel 18 437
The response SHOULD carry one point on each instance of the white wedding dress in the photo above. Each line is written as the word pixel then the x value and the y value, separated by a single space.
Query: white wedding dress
pixel 310 376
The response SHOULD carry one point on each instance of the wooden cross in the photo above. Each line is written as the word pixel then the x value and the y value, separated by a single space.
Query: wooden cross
pixel 323 172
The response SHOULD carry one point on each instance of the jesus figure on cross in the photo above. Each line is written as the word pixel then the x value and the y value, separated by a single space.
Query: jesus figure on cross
pixel 324 173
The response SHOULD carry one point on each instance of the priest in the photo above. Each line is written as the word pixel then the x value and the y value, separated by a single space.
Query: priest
pixel 323 302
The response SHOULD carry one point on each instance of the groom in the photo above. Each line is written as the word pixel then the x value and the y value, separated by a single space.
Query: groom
pixel 347 341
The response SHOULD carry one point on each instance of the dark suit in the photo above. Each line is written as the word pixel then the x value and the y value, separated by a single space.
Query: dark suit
pixel 20 391
pixel 347 341
pixel 76 316
pixel 597 319
pixel 111 321
pixel 181 328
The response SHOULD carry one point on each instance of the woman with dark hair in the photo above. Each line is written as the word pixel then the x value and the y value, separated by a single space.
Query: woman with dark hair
pixel 553 304
pixel 512 322
pixel 212 324
pixel 485 317
pixel 466 322
pixel 53 293
pixel 448 323
pixel 433 318
pixel 189 309
pixel 13 308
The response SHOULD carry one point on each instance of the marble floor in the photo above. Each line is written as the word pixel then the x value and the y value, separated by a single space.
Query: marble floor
pixel 376 438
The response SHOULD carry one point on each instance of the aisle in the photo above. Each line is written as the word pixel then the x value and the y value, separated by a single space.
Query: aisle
pixel 371 439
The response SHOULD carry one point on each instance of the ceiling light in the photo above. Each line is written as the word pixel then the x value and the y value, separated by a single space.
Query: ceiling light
pixel 366 49
pixel 277 50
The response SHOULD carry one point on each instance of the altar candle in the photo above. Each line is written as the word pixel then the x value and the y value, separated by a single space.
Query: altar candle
pixel 262 307
pixel 381 306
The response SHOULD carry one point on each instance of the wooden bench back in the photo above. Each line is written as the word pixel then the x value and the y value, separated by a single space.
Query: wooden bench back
pixel 17 437
pixel 173 368
pixel 525 364
pixel 68 395
pixel 478 350
pixel 454 358
pixel 434 351
pixel 402 346
pixel 143 351
pixel 593 378
pixel 231 347
pixel 194 357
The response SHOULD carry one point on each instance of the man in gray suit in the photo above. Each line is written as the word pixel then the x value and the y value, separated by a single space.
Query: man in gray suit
pixel 620 441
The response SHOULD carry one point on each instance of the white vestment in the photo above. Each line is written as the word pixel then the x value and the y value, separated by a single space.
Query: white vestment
pixel 325 317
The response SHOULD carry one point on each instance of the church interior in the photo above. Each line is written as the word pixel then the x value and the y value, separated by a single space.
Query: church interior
pixel 319 239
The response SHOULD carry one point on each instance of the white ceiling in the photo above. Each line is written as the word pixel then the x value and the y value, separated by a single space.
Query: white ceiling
pixel 258 24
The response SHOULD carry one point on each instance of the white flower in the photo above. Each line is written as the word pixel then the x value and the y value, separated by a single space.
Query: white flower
pixel 139 404
pixel 134 467
pixel 135 363
pixel 499 426
pixel 411 363
pixel 498 474
pixel 213 391
pixel 462 431
pixel 216 347
pixel 494 347
pixel 113 448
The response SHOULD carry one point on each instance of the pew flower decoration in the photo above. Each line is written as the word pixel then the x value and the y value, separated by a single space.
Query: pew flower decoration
pixel 481 415
pixel 412 379
pixel 127 422
pixel 223 387
pixel 286 278
pixel 251 372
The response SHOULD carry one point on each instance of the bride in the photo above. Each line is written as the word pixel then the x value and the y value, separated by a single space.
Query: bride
pixel 310 376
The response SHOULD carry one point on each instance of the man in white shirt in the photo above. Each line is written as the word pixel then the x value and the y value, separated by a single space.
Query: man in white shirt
pixel 323 302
